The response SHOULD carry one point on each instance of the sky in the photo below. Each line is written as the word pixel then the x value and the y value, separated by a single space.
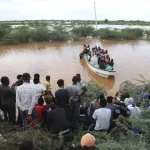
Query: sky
pixel 74 9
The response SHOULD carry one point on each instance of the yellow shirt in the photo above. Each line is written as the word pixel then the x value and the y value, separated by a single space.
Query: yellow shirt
pixel 47 85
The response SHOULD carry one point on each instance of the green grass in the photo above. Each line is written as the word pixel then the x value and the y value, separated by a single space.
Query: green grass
pixel 60 31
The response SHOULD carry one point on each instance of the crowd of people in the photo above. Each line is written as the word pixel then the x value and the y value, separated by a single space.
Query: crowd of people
pixel 102 58
pixel 64 111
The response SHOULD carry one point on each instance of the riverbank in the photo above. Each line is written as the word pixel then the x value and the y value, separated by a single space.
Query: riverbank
pixel 13 135
pixel 39 31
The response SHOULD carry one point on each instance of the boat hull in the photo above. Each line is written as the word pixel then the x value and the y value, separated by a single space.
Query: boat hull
pixel 100 72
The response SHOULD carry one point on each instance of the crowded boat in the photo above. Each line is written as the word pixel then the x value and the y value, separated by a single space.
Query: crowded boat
pixel 31 104
pixel 98 60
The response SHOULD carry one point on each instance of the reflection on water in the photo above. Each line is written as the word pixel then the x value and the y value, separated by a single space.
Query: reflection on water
pixel 61 60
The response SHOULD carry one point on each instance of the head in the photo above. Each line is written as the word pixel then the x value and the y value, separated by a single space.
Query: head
pixel 131 100
pixel 79 76
pixel 40 101
pixel 27 145
pixel 36 75
pixel 101 96
pixel 60 83
pixel 75 80
pixel 127 95
pixel 102 103
pixel 112 60
pixel 36 80
pixel 19 76
pixel 87 140
pixel 109 99
pixel 48 78
pixel 26 77
pixel 5 81
pixel 53 105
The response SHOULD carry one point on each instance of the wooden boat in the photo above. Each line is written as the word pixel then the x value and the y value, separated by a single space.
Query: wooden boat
pixel 95 68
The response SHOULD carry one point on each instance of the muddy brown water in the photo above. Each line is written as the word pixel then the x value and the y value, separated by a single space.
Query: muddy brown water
pixel 61 60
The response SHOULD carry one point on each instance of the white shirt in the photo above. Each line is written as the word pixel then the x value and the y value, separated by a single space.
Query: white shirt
pixel 102 117
pixel 39 89
pixel 135 111
pixel 25 97
pixel 126 101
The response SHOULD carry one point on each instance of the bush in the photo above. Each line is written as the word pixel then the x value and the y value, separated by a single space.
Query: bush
pixel 131 34
pixel 83 31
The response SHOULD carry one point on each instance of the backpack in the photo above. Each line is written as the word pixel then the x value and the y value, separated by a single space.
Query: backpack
pixel 122 110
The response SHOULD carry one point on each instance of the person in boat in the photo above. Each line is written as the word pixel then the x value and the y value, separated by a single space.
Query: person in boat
pixel 111 63
pixel 84 46
pixel 107 59
pixel 99 59
pixel 99 48
pixel 102 65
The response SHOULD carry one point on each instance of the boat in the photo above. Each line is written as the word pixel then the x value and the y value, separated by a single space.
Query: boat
pixel 95 68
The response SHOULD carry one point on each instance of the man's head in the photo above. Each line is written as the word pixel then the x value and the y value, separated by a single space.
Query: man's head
pixel 5 80
pixel 87 140
pixel 36 80
pixel 102 103
pixel 40 101
pixel 36 75
pixel 109 99
pixel 75 80
pixel 19 76
pixel 127 95
pixel 79 76
pixel 26 77
pixel 48 78
pixel 53 105
pixel 60 83
pixel 101 96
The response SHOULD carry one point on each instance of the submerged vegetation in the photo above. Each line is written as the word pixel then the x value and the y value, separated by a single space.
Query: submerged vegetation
pixel 61 31
pixel 13 135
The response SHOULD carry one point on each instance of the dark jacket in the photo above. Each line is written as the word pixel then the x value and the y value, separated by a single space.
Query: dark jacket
pixel 62 98
pixel 57 120
pixel 7 96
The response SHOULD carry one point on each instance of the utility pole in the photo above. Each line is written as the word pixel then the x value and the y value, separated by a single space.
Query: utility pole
pixel 95 16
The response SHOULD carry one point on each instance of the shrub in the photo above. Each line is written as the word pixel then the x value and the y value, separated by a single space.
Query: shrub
pixel 83 31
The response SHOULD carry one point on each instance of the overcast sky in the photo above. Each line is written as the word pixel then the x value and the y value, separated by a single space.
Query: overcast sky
pixel 74 9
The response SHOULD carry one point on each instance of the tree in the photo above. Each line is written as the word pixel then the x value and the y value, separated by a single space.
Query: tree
pixel 106 20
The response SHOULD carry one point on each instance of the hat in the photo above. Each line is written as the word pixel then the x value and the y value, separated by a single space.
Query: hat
pixel 26 76
pixel 131 100
pixel 87 140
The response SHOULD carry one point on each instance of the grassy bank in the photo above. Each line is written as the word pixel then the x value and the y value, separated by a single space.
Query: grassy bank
pixel 42 31
pixel 46 141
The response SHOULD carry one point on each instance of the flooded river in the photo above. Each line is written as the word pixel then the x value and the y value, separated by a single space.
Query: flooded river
pixel 61 60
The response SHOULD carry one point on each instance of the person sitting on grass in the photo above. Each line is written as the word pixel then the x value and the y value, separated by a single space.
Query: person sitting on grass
pixel 102 117
pixel 28 145
pixel 57 119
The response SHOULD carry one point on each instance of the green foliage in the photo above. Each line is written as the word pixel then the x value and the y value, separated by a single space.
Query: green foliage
pixel 135 89
pixel 93 91
pixel 104 141
pixel 83 31
pixel 131 34
pixel 109 34
pixel 106 21
pixel 4 29
pixel 123 34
